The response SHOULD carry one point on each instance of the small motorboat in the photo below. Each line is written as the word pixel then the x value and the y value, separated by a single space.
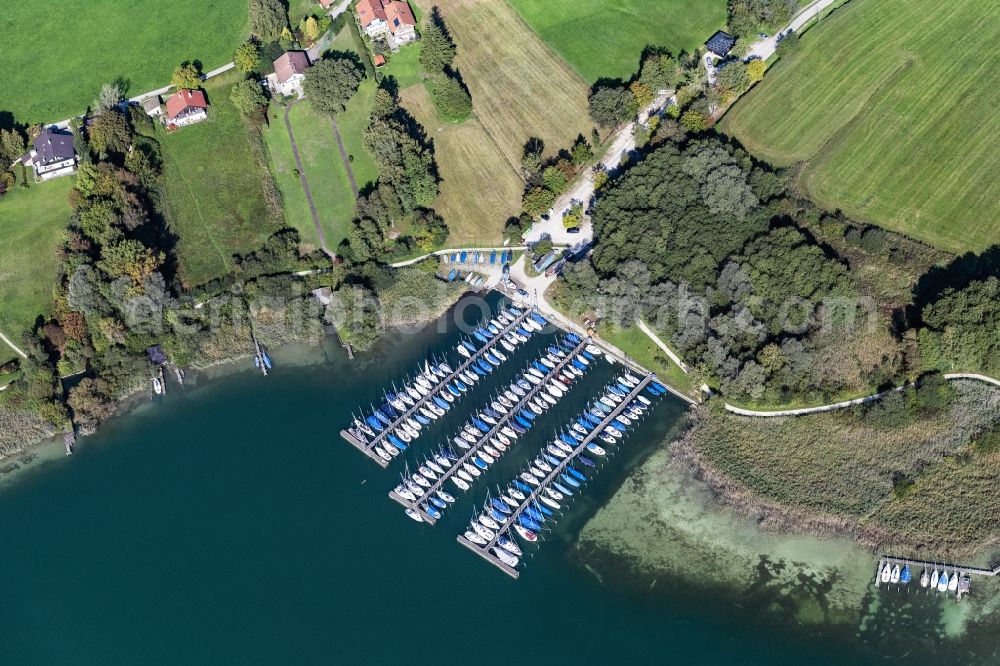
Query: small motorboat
pixel 415 515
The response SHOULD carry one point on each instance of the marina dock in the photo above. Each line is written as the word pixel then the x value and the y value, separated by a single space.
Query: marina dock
pixel 369 448
pixel 485 439
pixel 918 567
pixel 485 551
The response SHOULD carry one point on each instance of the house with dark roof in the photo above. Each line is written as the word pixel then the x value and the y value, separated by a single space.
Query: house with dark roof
pixel 186 107
pixel 289 73
pixel 721 43
pixel 153 106
pixel 392 20
pixel 52 154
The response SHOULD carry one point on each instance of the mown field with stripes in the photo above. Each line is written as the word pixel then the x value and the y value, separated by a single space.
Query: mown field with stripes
pixel 893 107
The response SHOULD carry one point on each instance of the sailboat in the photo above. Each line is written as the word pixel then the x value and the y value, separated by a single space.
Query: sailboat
pixel 886 573
pixel 943 582
pixel 934 579
pixel 953 582
pixel 924 578
pixel 894 578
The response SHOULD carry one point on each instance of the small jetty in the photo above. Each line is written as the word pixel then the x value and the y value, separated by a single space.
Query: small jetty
pixel 487 551
pixel 368 448
pixel 942 577
pixel 471 452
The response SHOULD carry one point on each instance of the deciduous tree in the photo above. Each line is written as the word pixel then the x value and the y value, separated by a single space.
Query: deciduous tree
pixel 248 97
pixel 186 76
pixel 330 83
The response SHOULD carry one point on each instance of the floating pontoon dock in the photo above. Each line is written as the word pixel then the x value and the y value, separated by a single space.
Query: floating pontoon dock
pixel 485 439
pixel 369 448
pixel 964 573
pixel 484 551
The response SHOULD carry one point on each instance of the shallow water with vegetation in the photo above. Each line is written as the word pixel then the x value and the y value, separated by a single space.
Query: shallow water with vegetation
pixel 229 523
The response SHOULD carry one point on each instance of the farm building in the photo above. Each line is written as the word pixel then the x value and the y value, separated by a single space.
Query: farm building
pixel 52 154
pixel 153 106
pixel 289 73
pixel 721 43
pixel 186 107
pixel 392 19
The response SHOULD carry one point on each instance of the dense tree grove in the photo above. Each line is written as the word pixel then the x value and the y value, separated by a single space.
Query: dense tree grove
pixel 437 50
pixel 268 19
pixel 405 191
pixel 747 17
pixel 437 57
pixel 331 82
pixel 960 331
pixel 692 238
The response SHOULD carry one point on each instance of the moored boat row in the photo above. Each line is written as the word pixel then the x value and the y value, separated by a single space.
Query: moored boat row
pixel 429 394
pixel 508 416
pixel 534 498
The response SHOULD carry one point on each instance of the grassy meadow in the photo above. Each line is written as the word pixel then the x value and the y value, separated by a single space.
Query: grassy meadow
pixel 479 189
pixel 213 196
pixel 57 56
pixel 918 485
pixel 899 128
pixel 328 180
pixel 520 87
pixel 644 351
pixel 31 228
pixel 604 38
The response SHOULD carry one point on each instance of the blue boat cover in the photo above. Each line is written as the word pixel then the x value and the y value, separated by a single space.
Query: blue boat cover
pixel 570 480
pixel 493 257
pixel 575 473
pixel 462 257
pixel 522 487
pixel 451 274
pixel 561 488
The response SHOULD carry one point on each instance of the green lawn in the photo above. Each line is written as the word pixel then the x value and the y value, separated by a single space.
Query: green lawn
pixel 644 351
pixel 57 55
pixel 404 66
pixel 31 227
pixel 604 38
pixel 328 181
pixel 900 128
pixel 212 189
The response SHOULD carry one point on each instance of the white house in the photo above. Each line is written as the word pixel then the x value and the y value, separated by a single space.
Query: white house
pixel 289 73
pixel 186 107
pixel 391 19
pixel 52 154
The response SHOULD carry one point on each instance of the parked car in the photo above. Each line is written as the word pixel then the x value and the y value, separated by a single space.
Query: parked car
pixel 573 230
pixel 523 293
pixel 762 35
pixel 545 216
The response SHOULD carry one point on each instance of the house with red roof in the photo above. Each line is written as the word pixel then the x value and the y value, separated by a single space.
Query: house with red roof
pixel 392 20
pixel 186 107
pixel 289 73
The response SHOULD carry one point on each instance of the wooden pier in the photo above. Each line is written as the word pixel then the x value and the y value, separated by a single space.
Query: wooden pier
pixel 485 439
pixel 368 448
pixel 963 572
pixel 484 551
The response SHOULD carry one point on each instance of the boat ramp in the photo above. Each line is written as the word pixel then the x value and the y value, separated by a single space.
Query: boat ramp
pixel 369 448
pixel 485 439
pixel 486 551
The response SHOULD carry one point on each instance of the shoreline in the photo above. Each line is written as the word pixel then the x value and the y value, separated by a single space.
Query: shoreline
pixel 38 453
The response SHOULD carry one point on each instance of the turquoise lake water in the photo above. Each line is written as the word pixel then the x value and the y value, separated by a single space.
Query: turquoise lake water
pixel 229 523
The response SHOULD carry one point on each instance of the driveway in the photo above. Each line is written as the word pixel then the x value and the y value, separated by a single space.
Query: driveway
pixel 582 188
pixel 765 48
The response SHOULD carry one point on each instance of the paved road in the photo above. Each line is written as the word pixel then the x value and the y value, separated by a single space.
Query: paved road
pixel 764 48
pixel 305 182
pixel 582 189
pixel 10 344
